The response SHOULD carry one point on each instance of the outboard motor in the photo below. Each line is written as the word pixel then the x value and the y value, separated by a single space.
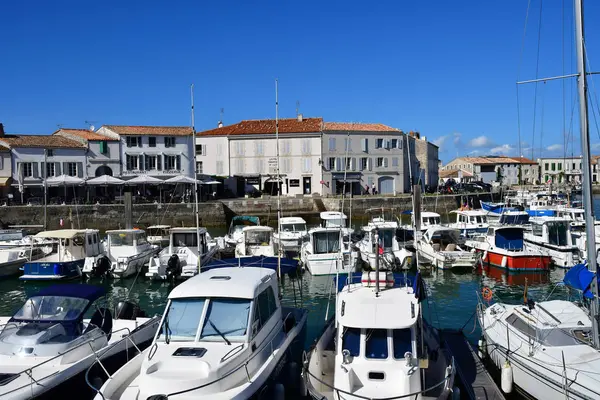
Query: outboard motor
pixel 173 267
pixel 102 267
pixel 128 310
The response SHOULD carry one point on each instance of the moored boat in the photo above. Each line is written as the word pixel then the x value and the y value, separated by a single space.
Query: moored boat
pixel 552 236
pixel 440 246
pixel 322 253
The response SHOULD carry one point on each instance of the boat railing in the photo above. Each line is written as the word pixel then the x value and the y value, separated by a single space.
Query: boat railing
pixel 446 382
pixel 29 370
pixel 244 365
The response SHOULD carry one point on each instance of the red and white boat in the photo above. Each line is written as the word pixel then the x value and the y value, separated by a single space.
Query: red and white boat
pixel 503 247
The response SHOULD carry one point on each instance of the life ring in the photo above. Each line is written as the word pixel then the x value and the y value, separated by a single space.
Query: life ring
pixel 487 294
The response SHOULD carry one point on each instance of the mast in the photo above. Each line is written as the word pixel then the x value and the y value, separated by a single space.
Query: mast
pixel 46 189
pixel 588 204
pixel 278 178
pixel 195 183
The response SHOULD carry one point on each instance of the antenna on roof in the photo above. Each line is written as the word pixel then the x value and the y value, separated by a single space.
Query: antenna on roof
pixel 91 126
pixel 297 107
pixel 220 124
pixel 60 126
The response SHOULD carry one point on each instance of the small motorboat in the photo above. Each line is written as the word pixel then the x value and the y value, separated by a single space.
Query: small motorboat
pixel 322 255
pixel 292 233
pixel 184 255
pixel 65 260
pixel 440 247
pixel 470 222
pixel 13 259
pixel 238 223
pixel 158 235
pixel 336 219
pixel 47 343
pixel 256 241
pixel 126 252
pixel 551 236
pixel 224 335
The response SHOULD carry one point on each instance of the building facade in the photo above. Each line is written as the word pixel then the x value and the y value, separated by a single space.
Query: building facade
pixel 103 155
pixel 428 156
pixel 160 151
pixel 562 169
pixel 314 157
pixel 497 169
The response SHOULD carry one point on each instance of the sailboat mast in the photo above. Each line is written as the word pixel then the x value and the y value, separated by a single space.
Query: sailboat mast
pixel 195 182
pixel 586 165
pixel 278 178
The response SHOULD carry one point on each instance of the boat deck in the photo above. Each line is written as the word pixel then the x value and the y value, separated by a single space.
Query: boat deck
pixel 476 381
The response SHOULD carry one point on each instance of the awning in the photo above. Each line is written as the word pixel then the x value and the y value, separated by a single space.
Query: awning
pixel 4 181
pixel 61 233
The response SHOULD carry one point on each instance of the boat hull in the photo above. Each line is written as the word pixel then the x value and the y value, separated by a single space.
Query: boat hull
pixel 12 268
pixel 517 262
pixel 50 271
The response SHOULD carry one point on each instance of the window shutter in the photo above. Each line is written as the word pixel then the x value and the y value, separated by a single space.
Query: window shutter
pixel 159 162
pixel 140 162
pixel 43 175
pixel 370 163
pixel 80 170
pixel 35 171
pixel 365 145
pixel 57 169
pixel 385 162
pixel 65 168
pixel 178 161
pixel 353 164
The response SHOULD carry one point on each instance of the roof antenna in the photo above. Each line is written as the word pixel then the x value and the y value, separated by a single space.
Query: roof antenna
pixel 297 107
pixel 91 126
pixel 59 126
pixel 220 124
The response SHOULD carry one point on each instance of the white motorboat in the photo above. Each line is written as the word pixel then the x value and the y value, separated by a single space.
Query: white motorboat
pixel 377 346
pixel 392 250
pixel 552 236
pixel 292 233
pixel 158 235
pixel 256 241
pixel 238 223
pixel 470 222
pixel 224 335
pixel 13 259
pixel 439 246
pixel 321 255
pixel 66 255
pixel 576 216
pixel 181 258
pixel 428 218
pixel 126 252
pixel 336 219
pixel 47 343
pixel 11 238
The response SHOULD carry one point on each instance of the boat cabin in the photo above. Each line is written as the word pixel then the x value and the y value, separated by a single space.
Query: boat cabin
pixel 507 237
pixel 187 238
pixel 428 219
pixel 158 234
pixel 470 217
pixel 123 242
pixel 239 222
pixel 293 225
pixel 441 238
pixel 554 231
pixel 256 241
pixel 387 233
pixel 333 219
pixel 575 215
pixel 326 240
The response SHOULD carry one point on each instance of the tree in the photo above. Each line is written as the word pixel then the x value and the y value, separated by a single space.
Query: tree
pixel 499 175
pixel 520 175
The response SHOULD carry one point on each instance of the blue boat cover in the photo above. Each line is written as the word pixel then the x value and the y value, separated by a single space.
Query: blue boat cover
pixel 241 219
pixel 541 213
pixel 77 290
pixel 580 278
pixel 287 264
pixel 509 238
pixel 496 208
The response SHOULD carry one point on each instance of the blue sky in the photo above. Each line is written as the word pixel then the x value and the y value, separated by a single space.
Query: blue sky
pixel 446 69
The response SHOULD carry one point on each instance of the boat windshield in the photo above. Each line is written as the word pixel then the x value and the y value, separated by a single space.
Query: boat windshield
pixel 299 227
pixel 432 221
pixel 259 238
pixel 326 242
pixel 51 308
pixel 120 239
pixel 557 233
pixel 185 239
pixel 157 232
pixel 386 236
pixel 225 317
pixel 335 223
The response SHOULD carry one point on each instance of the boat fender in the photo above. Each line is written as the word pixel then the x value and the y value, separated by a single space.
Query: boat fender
pixel 481 347
pixel 126 310
pixel 504 260
pixel 455 393
pixel 485 254
pixel 506 379
pixel 278 392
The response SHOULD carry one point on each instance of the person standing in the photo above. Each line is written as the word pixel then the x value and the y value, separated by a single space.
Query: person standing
pixel 373 190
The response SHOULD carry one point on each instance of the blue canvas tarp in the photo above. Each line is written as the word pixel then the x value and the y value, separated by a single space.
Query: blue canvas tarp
pixel 580 278
pixel 509 238
pixel 245 220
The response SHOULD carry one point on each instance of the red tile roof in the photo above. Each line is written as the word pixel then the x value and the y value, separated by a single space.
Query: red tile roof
pixel 150 130
pixel 524 160
pixel 249 127
pixel 86 134
pixel 4 149
pixel 44 141
pixel 357 127
pixel 496 160
pixel 453 173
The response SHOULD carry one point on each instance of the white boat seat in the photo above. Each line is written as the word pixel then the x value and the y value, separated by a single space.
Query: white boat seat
pixel 451 247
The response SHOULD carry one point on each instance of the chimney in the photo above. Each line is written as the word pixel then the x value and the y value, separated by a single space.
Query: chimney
pixel 417 135
pixel 299 117
pixel 220 124
pixel 1 129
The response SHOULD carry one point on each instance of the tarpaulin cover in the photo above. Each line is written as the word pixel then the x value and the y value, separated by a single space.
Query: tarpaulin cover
pixel 580 278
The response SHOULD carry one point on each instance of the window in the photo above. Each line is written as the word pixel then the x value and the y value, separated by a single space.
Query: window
pixel 219 149
pixel 394 143
pixel 347 145
pixel 521 325
pixel 306 146
pixel 402 342
pixel 103 147
pixel 553 166
pixel 376 345
pixel 50 153
pixel 306 165
pixel 169 141
pixel 546 166
pixel 182 239
pixel 199 168
pixel 331 163
pixel 365 145
pixel 201 149
pixel 394 161
pixel 259 147
pixel 72 169
pixel 227 317
pixel 172 163
pixel 182 320
pixel 326 242
pixel 219 167
pixel 50 169
pixel 560 166
pixel 240 148
pixel 573 166
pixel 151 141
pixel 158 163
pixel 348 163
pixel 379 162
pixel 285 147
pixel 133 141
pixel 131 162
pixel 536 229
pixel 378 143
pixel 120 239
pixel 264 308
pixel 351 341
pixel 557 233
pixel 149 163
pixel 259 165
pixel 240 165
pixel 331 144
pixel 363 163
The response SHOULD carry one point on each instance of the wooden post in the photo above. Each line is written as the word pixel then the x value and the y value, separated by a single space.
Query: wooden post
pixel 128 211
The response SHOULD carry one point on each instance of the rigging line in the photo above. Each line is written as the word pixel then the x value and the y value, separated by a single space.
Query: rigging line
pixel 542 120
pixel 564 98
pixel 591 79
pixel 537 69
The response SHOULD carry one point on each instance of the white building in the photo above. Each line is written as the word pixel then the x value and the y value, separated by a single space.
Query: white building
pixel 161 151
pixel 489 168
pixel 561 169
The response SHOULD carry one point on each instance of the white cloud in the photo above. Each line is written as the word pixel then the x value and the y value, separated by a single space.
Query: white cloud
pixel 456 139
pixel 441 141
pixel 474 153
pixel 502 149
pixel 481 141
pixel 554 147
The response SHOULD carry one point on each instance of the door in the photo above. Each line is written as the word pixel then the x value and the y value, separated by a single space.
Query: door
pixel 386 185
pixel 306 185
